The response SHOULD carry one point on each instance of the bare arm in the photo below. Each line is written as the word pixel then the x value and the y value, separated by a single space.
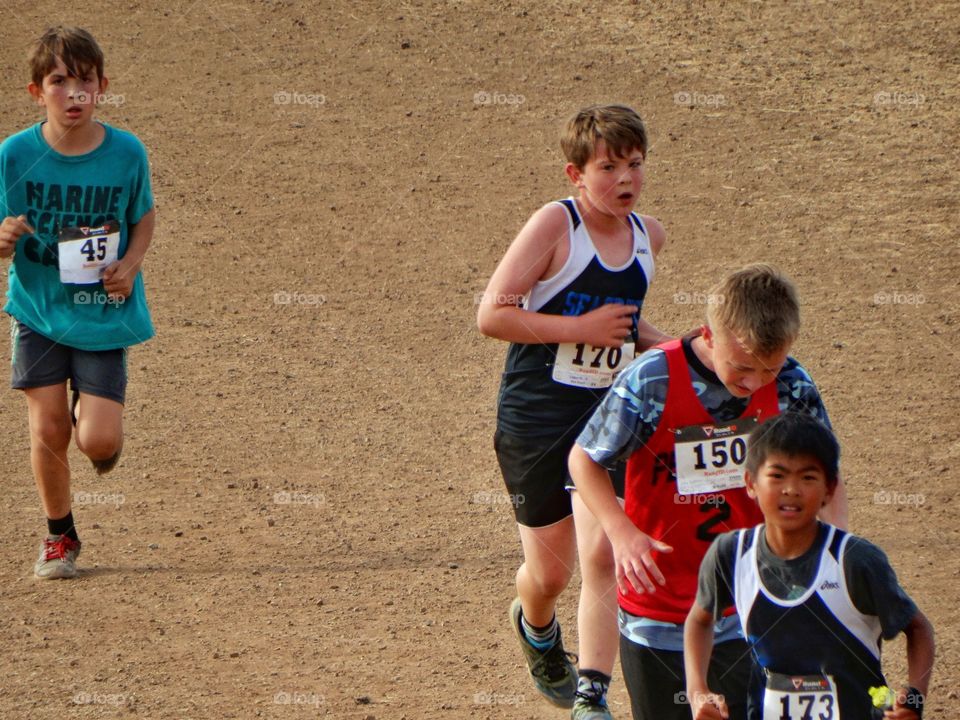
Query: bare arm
pixel 697 648
pixel 647 334
pixel 527 261
pixel 631 548
pixel 118 278
pixel 920 651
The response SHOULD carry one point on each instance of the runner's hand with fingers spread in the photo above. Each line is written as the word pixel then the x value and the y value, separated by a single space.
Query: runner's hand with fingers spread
pixel 10 231
pixel 634 564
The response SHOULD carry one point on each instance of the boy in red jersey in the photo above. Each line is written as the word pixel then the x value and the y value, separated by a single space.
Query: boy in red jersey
pixel 680 416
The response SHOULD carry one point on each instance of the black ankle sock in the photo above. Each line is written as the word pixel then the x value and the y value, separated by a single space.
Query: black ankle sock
pixel 594 675
pixel 592 684
pixel 63 526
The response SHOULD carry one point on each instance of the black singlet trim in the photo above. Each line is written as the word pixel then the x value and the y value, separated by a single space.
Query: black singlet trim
pixel 572 209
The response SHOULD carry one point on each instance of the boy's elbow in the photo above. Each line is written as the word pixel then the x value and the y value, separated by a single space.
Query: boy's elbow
pixel 485 322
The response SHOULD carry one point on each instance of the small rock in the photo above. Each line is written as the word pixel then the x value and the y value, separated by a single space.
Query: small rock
pixel 271 522
pixel 404 44
pixel 452 565
pixel 362 700
pixel 178 533
pixel 153 546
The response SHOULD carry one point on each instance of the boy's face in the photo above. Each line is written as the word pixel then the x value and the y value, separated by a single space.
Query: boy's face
pixel 610 183
pixel 70 101
pixel 790 490
pixel 741 370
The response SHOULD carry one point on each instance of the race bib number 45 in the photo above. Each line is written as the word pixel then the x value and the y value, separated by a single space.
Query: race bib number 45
pixel 584 366
pixel 800 697
pixel 86 251
pixel 710 458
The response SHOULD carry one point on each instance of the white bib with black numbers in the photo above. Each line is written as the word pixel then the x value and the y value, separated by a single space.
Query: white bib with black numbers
pixel 85 252
pixel 710 458
pixel 800 697
pixel 590 367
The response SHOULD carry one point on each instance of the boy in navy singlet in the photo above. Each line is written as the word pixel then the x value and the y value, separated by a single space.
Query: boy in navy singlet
pixel 567 296
pixel 680 416
pixel 813 601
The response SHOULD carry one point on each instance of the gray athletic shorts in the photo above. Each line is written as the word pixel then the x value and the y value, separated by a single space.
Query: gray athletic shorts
pixel 38 361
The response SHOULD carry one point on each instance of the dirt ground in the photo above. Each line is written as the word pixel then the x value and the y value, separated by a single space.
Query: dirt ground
pixel 308 519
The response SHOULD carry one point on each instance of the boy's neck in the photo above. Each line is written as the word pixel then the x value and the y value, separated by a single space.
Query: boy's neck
pixel 790 544
pixel 73 140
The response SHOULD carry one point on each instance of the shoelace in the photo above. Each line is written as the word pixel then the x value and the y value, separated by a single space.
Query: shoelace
pixel 57 549
pixel 554 663
pixel 596 695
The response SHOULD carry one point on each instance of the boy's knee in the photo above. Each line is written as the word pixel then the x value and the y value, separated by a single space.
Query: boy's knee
pixel 98 446
pixel 51 431
pixel 551 582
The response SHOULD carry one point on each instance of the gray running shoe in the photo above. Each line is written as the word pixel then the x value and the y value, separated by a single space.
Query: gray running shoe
pixel 552 670
pixel 58 558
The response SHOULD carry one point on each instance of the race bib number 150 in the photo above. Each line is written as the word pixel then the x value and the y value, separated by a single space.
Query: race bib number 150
pixel 710 458
pixel 86 251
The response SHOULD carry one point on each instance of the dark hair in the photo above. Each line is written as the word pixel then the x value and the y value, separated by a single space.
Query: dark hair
pixel 793 434
pixel 75 46
pixel 617 125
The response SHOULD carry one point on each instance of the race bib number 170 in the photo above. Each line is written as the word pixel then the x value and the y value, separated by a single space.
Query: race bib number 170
pixel 584 366
pixel 86 251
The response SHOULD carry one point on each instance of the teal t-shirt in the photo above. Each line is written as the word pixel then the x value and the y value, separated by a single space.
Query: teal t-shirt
pixel 57 191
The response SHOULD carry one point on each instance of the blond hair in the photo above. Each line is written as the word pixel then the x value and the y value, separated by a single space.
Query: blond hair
pixel 758 304
pixel 619 126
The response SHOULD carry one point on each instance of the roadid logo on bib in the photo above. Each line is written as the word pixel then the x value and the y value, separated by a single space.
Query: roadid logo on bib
pixel 710 458
pixel 85 252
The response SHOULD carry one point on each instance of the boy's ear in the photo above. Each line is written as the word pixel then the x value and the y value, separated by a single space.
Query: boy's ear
pixel 829 496
pixel 35 92
pixel 574 173
pixel 104 81
pixel 751 489
pixel 707 334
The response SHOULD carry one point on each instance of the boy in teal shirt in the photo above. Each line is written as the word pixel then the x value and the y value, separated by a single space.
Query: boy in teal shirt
pixel 78 218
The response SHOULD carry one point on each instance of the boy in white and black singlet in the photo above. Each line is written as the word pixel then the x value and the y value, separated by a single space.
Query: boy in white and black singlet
pixel 814 602
pixel 567 296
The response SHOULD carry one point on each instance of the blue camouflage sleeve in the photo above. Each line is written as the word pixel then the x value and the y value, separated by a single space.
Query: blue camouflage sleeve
pixel 796 391
pixel 629 413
